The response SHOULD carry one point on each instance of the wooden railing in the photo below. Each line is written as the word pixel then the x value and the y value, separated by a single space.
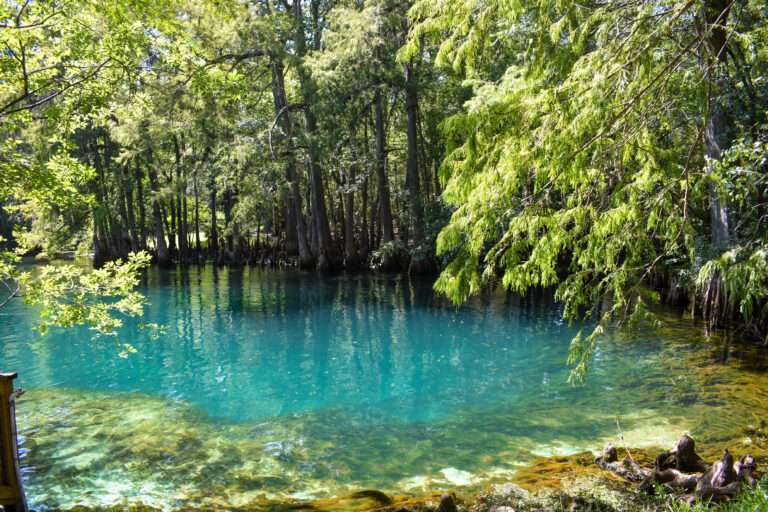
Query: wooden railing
pixel 11 488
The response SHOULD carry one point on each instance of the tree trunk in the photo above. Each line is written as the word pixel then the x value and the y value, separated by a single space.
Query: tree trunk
pixel 326 257
pixel 130 217
pixel 172 219
pixel 365 244
pixel 415 208
pixel 227 204
pixel 197 215
pixel 385 208
pixel 718 214
pixel 715 17
pixel 258 237
pixel 139 176
pixel 184 218
pixel 291 235
pixel 161 249
pixel 296 216
pixel 365 239
pixel 106 244
pixel 213 235
pixel 350 254
pixel 180 190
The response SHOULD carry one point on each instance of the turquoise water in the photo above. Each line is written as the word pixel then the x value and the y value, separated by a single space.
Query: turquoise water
pixel 244 346
pixel 293 386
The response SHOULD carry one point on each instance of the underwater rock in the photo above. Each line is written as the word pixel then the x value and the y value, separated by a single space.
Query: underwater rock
pixel 457 476
pixel 281 450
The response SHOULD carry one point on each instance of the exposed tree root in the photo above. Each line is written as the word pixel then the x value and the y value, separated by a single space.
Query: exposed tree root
pixel 626 468
pixel 682 470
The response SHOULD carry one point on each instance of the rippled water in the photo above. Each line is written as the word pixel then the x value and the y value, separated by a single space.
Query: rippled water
pixel 268 385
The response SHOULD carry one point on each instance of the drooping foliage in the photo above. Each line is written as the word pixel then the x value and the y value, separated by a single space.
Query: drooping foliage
pixel 615 151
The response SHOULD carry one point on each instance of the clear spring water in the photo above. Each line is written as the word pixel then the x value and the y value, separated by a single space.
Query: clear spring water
pixel 268 385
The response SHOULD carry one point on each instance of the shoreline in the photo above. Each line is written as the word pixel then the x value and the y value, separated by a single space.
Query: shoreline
pixel 568 483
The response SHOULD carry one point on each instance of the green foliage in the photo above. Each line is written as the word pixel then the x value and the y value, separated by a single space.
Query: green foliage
pixel 68 295
pixel 61 63
pixel 390 254
pixel 744 276
pixel 579 163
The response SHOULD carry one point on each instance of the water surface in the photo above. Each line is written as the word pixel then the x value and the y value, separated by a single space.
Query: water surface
pixel 269 385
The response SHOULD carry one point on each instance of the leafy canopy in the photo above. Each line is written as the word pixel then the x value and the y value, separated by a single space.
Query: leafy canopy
pixel 579 163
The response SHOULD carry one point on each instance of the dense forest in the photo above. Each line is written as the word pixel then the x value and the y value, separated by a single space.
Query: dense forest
pixel 614 150
pixel 231 132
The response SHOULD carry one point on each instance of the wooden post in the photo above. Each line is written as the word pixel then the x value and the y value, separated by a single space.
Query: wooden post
pixel 11 488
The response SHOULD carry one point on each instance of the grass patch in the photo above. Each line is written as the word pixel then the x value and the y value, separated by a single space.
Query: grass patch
pixel 749 500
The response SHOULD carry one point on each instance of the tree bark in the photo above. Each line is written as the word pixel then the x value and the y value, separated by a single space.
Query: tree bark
pixel 197 214
pixel 326 257
pixel 296 216
pixel 350 254
pixel 385 208
pixel 715 17
pixel 213 235
pixel 139 176
pixel 172 219
pixel 365 244
pixel 130 217
pixel 179 190
pixel 227 205
pixel 161 249
pixel 415 208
